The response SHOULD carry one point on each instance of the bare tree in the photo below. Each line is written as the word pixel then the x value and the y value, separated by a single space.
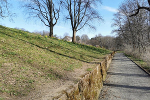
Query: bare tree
pixel 78 39
pixel 4 8
pixel 84 38
pixel 81 14
pixel 44 10
pixel 132 30
pixel 136 11
pixel 107 42
pixel 95 40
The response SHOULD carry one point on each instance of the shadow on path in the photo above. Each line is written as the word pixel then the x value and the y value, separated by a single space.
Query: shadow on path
pixel 125 81
pixel 127 86
pixel 125 74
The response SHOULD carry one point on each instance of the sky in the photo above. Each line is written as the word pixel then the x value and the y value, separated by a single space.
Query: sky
pixel 107 9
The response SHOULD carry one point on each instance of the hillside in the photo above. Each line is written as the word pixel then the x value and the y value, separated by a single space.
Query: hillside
pixel 29 61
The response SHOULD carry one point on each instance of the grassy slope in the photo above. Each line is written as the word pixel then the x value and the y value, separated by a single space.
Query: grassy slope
pixel 27 59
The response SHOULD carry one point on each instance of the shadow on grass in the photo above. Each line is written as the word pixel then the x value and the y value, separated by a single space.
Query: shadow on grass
pixel 83 60
pixel 79 46
pixel 91 49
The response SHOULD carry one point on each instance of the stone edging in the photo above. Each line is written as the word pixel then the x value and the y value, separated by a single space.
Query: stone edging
pixel 89 87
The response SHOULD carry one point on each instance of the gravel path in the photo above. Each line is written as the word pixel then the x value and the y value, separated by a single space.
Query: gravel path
pixel 125 81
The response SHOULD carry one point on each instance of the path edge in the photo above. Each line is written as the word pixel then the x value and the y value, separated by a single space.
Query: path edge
pixel 138 66
pixel 90 86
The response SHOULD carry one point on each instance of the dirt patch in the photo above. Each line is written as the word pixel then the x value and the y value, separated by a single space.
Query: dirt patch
pixel 46 91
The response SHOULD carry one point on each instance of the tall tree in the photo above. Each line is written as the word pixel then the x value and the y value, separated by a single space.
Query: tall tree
pixel 137 10
pixel 132 30
pixel 44 10
pixel 81 13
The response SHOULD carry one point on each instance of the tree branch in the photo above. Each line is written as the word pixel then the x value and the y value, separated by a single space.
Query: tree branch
pixel 137 10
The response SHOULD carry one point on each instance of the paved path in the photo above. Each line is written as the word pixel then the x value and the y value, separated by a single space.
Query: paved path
pixel 125 81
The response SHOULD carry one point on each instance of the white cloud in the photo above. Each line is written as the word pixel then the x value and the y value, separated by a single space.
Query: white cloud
pixel 110 9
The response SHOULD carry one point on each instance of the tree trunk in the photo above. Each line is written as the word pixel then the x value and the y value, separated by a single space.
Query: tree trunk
pixel 51 31
pixel 74 36
pixel 148 2
pixel 51 18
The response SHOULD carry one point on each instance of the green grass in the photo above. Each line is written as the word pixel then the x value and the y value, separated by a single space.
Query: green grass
pixel 27 59
pixel 140 62
pixel 89 69
pixel 1 98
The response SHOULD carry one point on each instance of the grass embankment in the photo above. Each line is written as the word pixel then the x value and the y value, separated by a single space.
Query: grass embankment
pixel 140 62
pixel 28 59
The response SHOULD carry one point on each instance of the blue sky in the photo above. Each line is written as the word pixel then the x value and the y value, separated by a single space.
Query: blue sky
pixel 107 9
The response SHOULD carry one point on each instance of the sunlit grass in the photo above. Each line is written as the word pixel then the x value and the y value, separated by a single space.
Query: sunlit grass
pixel 140 62
pixel 89 69
pixel 27 59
